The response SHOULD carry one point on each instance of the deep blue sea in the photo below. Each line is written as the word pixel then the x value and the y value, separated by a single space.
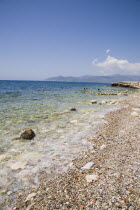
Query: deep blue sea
pixel 60 133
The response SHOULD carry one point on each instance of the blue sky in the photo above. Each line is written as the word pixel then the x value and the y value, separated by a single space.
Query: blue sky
pixel 45 38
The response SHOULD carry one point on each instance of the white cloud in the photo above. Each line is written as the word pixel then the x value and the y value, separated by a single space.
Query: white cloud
pixel 113 65
pixel 107 51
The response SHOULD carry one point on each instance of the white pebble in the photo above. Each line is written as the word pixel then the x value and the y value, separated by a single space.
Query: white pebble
pixel 88 165
pixel 136 109
pixel 31 195
pixel 103 147
pixel 103 102
pixel 91 177
pixel 18 165
pixel 73 121
pixel 9 192
pixel 134 114
pixel 113 102
pixel 3 157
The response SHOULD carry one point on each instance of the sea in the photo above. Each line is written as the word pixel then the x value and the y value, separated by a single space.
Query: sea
pixel 61 134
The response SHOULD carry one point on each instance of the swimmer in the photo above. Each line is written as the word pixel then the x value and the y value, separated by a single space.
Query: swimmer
pixel 43 89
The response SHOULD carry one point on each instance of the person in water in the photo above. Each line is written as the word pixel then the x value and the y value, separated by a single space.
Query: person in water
pixel 43 89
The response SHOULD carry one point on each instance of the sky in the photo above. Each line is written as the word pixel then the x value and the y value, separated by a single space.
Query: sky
pixel 47 38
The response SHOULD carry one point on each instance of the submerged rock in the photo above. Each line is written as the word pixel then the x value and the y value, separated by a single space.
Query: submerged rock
pixel 74 121
pixel 18 165
pixel 93 102
pixel 108 102
pixel 28 134
pixel 102 102
pixel 73 109
pixel 113 102
pixel 3 157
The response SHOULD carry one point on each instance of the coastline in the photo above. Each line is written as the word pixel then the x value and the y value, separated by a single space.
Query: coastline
pixel 115 165
pixel 60 137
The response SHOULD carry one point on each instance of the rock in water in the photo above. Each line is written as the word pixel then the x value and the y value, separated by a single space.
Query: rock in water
pixel 73 109
pixel 18 165
pixel 113 102
pixel 73 121
pixel 3 157
pixel 28 134
pixel 103 102
pixel 93 102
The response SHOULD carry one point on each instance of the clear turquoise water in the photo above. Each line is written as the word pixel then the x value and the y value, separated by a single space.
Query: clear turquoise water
pixel 23 104
pixel 60 133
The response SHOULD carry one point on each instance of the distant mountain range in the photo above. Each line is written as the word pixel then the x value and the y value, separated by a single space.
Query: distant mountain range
pixel 96 79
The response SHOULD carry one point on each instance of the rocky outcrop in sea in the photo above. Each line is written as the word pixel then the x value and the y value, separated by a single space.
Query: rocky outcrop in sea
pixel 128 84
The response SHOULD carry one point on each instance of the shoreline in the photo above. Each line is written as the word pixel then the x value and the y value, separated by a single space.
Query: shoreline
pixel 55 171
pixel 22 167
pixel 71 189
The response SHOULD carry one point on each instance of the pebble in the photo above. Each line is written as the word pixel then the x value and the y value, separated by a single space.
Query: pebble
pixel 103 147
pixel 55 155
pixel 60 131
pixel 3 157
pixel 9 192
pixel 100 151
pixel 31 195
pixel 103 102
pixel 138 202
pixel 113 102
pixel 73 121
pixel 136 109
pixel 91 177
pixel 18 165
pixel 30 206
pixel 134 114
pixel 94 102
pixel 88 165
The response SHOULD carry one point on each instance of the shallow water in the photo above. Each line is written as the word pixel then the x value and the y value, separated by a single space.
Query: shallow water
pixel 60 133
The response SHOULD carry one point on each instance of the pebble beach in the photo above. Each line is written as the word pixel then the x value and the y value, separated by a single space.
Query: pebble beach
pixel 104 177
pixel 61 121
pixel 70 105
